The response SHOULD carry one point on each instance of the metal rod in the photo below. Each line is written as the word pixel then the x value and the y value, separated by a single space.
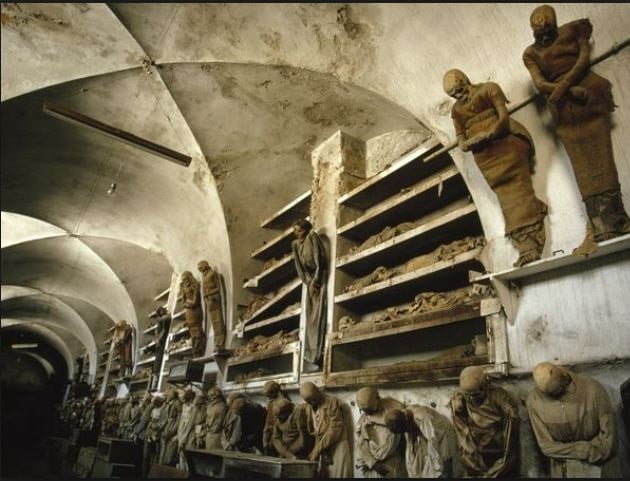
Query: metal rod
pixel 117 134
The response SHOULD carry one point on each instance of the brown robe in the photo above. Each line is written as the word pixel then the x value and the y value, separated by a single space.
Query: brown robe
pixel 505 162
pixel 583 414
pixel 211 285
pixel 168 448
pixel 194 319
pixel 331 438
pixel 123 340
pixel 487 433
pixel 271 420
pixel 292 437
pixel 583 126
pixel 215 416
pixel 376 443
pixel 311 265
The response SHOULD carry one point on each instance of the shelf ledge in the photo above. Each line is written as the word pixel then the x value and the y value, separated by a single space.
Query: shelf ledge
pixel 285 292
pixel 386 206
pixel 279 219
pixel 433 224
pixel 254 282
pixel 415 322
pixel 162 294
pixel 412 156
pixel 548 264
pixel 409 276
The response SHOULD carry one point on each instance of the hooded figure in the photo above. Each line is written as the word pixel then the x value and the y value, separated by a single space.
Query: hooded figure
pixel 486 422
pixel 503 150
pixel 326 420
pixel 429 438
pixel 379 452
pixel 215 417
pixel 574 423
pixel 312 266
pixel 272 391
pixel 291 437
pixel 169 447
pixel 194 313
pixel 580 102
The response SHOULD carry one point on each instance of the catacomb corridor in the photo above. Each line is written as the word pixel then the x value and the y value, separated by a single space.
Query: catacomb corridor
pixel 315 240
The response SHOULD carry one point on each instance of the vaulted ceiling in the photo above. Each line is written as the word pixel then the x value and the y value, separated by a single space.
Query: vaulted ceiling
pixel 245 90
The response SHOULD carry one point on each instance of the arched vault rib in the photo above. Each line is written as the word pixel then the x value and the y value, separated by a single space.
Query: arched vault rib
pixel 49 335
pixel 67 266
pixel 40 308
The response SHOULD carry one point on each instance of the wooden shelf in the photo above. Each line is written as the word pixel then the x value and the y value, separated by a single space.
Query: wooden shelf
pixel 555 263
pixel 154 313
pixel 416 321
pixel 284 361
pixel 402 288
pixel 277 247
pixel 178 315
pixel 107 341
pixel 150 329
pixel 162 294
pixel 140 381
pixel 148 346
pixel 179 332
pixel 179 352
pixel 426 196
pixel 287 295
pixel 281 271
pixel 417 372
pixel 296 209
pixel 148 360
pixel 442 227
pixel 403 172
pixel 283 321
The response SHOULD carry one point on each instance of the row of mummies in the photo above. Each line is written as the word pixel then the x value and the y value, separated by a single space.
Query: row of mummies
pixel 570 414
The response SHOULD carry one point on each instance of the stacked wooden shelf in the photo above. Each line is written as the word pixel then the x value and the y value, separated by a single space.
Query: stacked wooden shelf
pixel 432 201
pixel 279 282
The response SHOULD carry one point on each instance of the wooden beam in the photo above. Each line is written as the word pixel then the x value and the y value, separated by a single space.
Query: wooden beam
pixel 117 134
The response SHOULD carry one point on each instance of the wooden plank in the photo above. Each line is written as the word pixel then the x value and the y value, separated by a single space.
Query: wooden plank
pixel 412 322
pixel 451 218
pixel 162 294
pixel 360 195
pixel 276 247
pixel 148 360
pixel 420 199
pixel 126 137
pixel 618 244
pixel 275 274
pixel 409 277
pixel 269 353
pixel 283 218
pixel 405 372
pixel 272 320
pixel 284 294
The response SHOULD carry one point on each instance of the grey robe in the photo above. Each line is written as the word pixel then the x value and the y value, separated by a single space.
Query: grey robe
pixel 311 266
pixel 215 416
pixel 168 451
pixel 583 414
pixel 376 443
pixel 430 452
